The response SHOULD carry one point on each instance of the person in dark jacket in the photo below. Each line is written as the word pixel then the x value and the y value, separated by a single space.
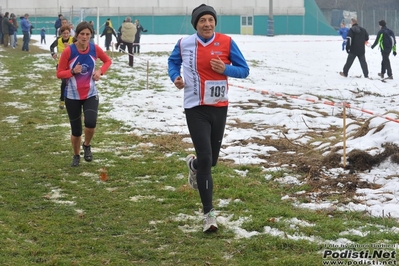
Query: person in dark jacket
pixel 43 36
pixel 16 25
pixel 122 46
pixel 355 47
pixel 58 24
pixel 387 43
pixel 91 22
pixel 11 30
pixel 6 25
pixel 108 32
pixel 1 28
pixel 136 44
pixel 61 43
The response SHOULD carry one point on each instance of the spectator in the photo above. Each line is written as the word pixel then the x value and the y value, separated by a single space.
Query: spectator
pixel 109 22
pixel 64 22
pixel 122 46
pixel 128 32
pixel 108 32
pixel 387 43
pixel 355 42
pixel 58 24
pixel 136 44
pixel 43 36
pixel 11 30
pixel 16 25
pixel 26 28
pixel 343 31
pixel 1 28
pixel 6 25
pixel 71 26
pixel 94 32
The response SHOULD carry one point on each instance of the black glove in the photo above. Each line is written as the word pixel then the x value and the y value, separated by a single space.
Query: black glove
pixel 394 53
pixel 145 30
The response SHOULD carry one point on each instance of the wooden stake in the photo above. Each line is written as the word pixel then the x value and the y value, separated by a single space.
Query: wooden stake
pixel 148 70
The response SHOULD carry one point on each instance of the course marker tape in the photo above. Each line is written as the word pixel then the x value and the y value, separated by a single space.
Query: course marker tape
pixel 330 103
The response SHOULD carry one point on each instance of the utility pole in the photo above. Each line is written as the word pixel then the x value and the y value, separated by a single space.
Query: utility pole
pixel 270 21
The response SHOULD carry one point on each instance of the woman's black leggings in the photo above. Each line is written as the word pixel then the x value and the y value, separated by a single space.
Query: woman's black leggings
pixel 90 111
pixel 206 125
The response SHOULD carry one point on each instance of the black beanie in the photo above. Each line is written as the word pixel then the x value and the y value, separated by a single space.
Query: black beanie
pixel 382 23
pixel 201 10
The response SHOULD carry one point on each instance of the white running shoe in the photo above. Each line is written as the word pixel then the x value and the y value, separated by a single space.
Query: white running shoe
pixel 192 174
pixel 210 224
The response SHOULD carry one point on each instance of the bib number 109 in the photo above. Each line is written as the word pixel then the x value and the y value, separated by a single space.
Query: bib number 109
pixel 215 91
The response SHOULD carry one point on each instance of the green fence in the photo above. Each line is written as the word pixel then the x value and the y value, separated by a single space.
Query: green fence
pixel 312 22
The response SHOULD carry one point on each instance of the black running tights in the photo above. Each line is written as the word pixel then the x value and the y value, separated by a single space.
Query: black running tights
pixel 90 111
pixel 206 126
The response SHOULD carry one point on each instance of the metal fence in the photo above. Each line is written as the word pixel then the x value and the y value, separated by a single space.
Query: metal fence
pixel 177 20
pixel 45 17
pixel 368 19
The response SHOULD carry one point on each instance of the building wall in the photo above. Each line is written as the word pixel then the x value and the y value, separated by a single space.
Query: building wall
pixel 160 17
pixel 152 7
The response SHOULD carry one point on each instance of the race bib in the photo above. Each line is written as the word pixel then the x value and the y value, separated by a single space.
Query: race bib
pixel 215 91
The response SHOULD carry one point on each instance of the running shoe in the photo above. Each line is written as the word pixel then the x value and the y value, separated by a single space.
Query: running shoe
pixel 192 173
pixel 210 224
pixel 75 161
pixel 87 153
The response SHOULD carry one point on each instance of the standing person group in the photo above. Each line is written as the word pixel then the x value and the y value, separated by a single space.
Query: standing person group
pixel 357 39
pixel 207 59
pixel 7 30
pixel 387 43
pixel 77 64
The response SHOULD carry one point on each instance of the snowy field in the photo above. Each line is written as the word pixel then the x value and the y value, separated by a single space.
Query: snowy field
pixel 296 71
